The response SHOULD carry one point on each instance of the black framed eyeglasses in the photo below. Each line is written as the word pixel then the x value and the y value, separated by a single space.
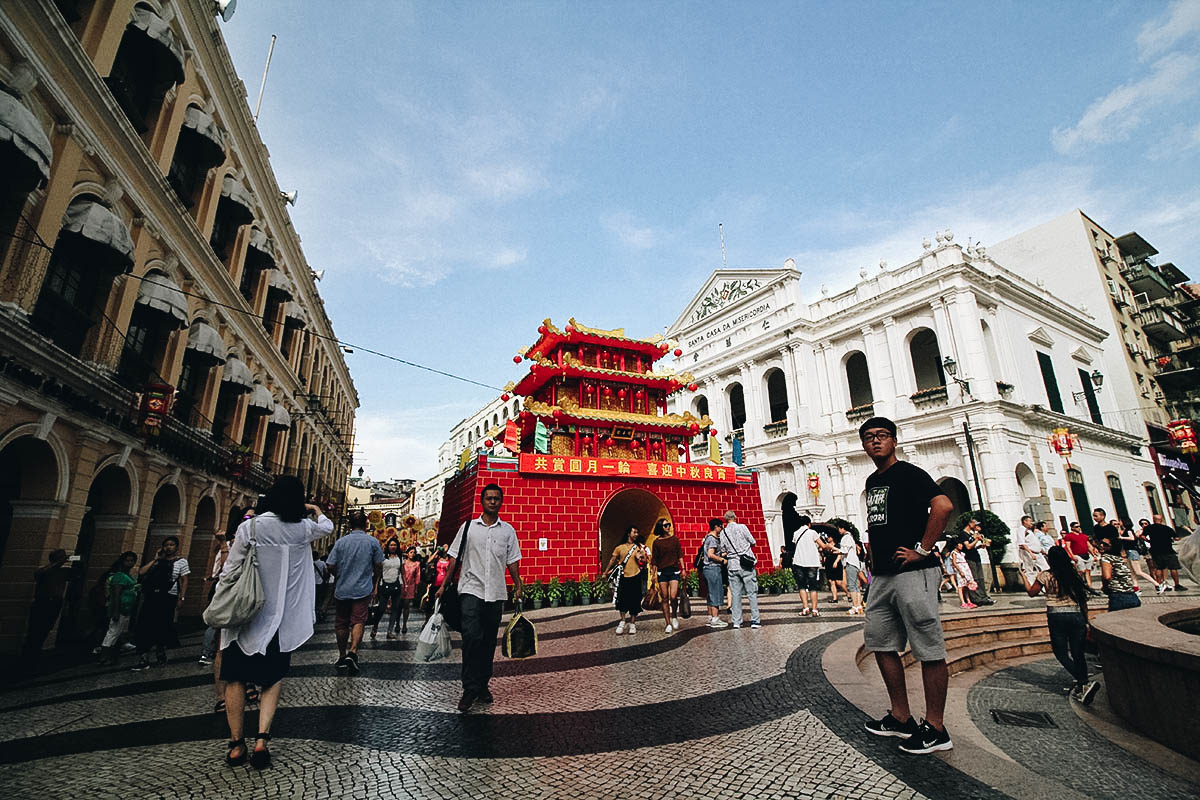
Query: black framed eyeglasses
pixel 876 436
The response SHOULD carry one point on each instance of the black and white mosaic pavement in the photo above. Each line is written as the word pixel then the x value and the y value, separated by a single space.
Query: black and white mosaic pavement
pixel 699 713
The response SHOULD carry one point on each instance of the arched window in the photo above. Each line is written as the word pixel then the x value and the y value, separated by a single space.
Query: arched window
pixel 993 355
pixel 1083 509
pixel 201 147
pixel 93 247
pixel 504 414
pixel 160 309
pixel 858 380
pixel 737 407
pixel 149 61
pixel 777 398
pixel 926 360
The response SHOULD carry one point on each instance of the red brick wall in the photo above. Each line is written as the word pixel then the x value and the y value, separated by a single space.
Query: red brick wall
pixel 567 511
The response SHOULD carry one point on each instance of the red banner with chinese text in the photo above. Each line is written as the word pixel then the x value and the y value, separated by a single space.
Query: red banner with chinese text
pixel 587 467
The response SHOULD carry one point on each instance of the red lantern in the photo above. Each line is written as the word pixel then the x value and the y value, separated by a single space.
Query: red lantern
pixel 588 389
pixel 557 413
pixel 1063 442
pixel 639 394
pixel 620 394
pixel 608 442
pixel 664 347
pixel 712 431
pixel 678 352
pixel 692 387
pixel 694 428
pixel 635 444
pixel 516 359
pixel 488 443
pixel 525 415
pixel 504 397
pixel 608 391
pixel 542 329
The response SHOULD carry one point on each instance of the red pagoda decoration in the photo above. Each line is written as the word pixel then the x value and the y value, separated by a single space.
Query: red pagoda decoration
pixel 599 452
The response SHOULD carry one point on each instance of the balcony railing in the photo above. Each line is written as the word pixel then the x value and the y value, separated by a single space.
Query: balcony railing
pixel 1143 277
pixel 922 397
pixel 860 412
pixel 775 430
pixel 1161 323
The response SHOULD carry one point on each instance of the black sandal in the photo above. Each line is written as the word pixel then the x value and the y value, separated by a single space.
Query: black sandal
pixel 251 695
pixel 261 759
pixel 230 760
pixel 219 707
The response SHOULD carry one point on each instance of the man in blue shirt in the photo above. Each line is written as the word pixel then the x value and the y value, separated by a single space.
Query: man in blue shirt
pixel 356 560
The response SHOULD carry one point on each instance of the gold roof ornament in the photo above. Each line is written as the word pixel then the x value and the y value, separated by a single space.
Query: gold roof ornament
pixel 615 333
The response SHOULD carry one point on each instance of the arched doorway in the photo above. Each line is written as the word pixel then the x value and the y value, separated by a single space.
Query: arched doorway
pixel 165 518
pixel 960 500
pixel 101 539
pixel 201 551
pixel 30 494
pixel 628 507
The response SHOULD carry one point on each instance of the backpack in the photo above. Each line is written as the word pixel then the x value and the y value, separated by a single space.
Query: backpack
pixel 698 563
pixel 160 578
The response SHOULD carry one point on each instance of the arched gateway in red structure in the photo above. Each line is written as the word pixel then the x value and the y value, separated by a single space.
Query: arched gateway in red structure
pixel 593 452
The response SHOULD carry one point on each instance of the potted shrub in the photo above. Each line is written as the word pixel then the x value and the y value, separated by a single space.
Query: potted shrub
pixel 766 583
pixel 535 594
pixel 570 592
pixel 789 579
pixel 692 583
pixel 601 590
pixel 585 590
pixel 554 592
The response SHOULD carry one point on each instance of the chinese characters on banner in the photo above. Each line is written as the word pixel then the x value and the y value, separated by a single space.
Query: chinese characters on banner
pixel 584 466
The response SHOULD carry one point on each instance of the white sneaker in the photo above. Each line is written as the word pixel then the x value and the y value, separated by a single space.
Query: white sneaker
pixel 668 629
pixel 675 624
pixel 718 623
pixel 620 627
pixel 632 629
pixel 1160 588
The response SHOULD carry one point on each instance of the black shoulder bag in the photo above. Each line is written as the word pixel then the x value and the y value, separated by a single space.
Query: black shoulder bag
pixel 451 604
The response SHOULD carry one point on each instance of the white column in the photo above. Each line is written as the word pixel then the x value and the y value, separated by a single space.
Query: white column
pixel 972 354
pixel 837 408
pixel 902 382
pixel 880 368
pixel 752 428
pixel 942 328
pixel 791 373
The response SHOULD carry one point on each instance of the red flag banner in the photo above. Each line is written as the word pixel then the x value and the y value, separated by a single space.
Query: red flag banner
pixel 587 467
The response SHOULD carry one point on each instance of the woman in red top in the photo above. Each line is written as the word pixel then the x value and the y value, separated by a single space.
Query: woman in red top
pixel 412 577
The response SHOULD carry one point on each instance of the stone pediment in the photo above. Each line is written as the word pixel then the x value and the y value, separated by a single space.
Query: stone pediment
pixel 726 289
pixel 1081 354
pixel 1039 336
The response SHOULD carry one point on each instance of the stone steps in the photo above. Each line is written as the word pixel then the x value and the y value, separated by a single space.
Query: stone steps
pixel 973 640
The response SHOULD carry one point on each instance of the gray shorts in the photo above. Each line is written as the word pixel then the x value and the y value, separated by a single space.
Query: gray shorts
pixel 902 610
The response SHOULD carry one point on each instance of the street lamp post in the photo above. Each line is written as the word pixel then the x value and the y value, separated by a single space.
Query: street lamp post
pixel 951 367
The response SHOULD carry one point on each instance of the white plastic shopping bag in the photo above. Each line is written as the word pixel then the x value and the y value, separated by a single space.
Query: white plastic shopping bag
pixel 434 642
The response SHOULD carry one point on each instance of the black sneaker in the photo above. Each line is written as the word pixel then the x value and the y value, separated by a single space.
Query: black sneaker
pixel 342 664
pixel 352 662
pixel 486 697
pixel 142 666
pixel 890 726
pixel 927 740
pixel 1181 588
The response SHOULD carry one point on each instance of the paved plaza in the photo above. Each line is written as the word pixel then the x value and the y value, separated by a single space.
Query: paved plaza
pixel 700 713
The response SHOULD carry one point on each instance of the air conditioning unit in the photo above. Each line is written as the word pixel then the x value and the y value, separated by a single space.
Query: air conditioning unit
pixel 1134 352
pixel 1141 300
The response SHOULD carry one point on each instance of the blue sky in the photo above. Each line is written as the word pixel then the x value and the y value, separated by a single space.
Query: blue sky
pixel 468 169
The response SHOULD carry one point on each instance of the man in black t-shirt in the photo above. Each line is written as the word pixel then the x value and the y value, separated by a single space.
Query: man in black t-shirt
pixel 1162 550
pixel 906 513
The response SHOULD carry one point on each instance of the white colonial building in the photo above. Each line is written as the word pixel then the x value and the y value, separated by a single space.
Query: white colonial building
pixel 974 362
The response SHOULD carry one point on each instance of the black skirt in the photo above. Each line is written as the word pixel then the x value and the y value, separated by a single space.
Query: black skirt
pixel 629 595
pixel 156 621
pixel 262 669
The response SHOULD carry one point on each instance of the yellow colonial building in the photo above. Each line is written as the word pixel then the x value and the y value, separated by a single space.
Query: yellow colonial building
pixel 164 352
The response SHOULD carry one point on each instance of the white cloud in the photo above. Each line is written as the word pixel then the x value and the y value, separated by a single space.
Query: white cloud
pixel 987 212
pixel 404 443
pixel 630 232
pixel 508 256
pixel 506 181
pixel 1181 20
pixel 1116 115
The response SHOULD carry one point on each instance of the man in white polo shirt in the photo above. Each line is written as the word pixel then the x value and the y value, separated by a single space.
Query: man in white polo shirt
pixel 491 549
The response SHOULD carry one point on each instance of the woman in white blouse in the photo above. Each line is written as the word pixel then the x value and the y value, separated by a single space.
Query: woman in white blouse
pixel 260 651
